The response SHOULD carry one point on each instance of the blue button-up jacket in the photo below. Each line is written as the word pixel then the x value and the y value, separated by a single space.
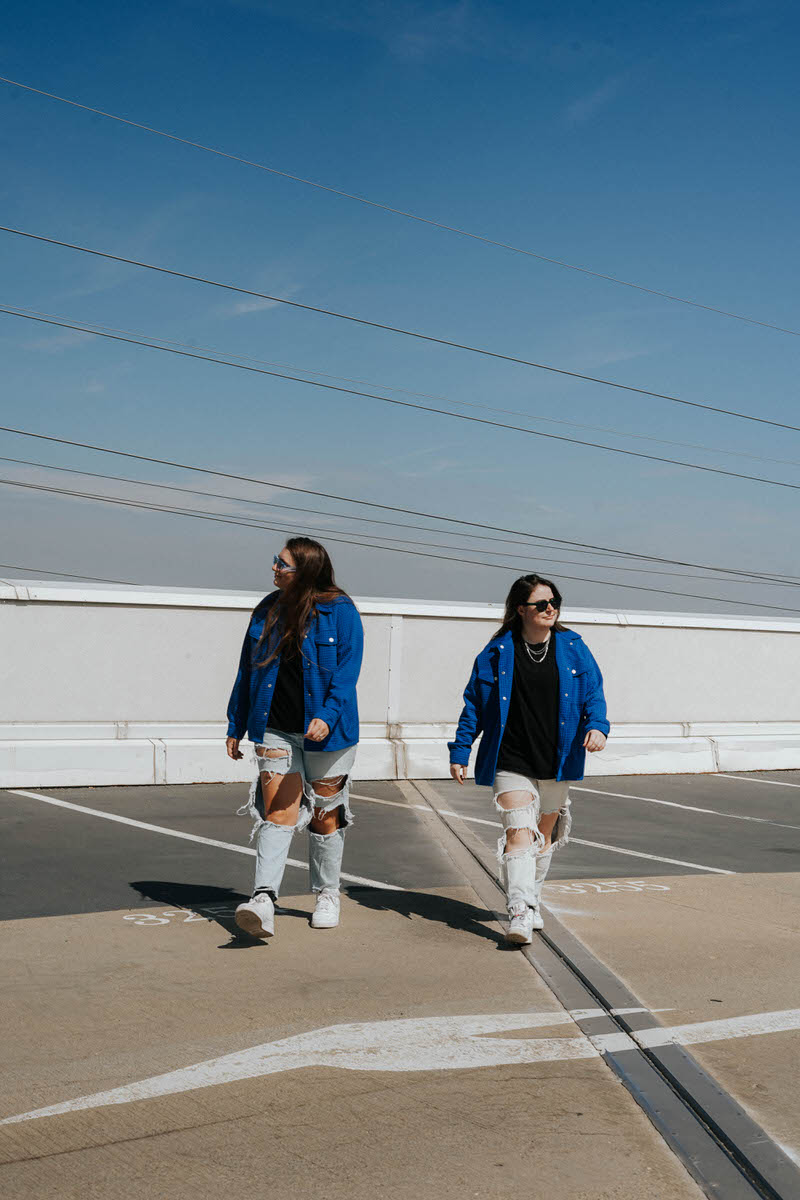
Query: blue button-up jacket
pixel 487 696
pixel 332 651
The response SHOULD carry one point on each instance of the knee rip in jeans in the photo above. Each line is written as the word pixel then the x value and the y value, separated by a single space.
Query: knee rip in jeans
pixel 521 818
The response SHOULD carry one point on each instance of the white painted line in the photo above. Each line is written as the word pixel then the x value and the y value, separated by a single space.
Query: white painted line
pixel 721 1030
pixel 188 837
pixel 749 779
pixel 675 862
pixel 417 1044
pixel 691 807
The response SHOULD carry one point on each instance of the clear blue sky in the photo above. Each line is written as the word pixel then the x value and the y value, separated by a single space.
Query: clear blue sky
pixel 652 142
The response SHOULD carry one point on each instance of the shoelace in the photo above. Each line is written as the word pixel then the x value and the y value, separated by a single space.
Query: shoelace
pixel 326 900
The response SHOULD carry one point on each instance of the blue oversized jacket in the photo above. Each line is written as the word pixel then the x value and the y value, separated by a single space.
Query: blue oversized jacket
pixel 332 651
pixel 582 705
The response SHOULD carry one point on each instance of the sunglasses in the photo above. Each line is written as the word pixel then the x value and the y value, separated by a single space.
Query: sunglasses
pixel 541 605
pixel 279 565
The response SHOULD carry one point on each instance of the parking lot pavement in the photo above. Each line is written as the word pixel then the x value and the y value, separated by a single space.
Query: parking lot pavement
pixel 708 946
pixel 405 1054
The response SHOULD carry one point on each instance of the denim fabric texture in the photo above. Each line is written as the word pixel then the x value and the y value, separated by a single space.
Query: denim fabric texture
pixel 581 706
pixel 332 652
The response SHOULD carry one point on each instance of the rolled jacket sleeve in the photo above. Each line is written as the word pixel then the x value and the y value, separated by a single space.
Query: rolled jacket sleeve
pixel 239 703
pixel 594 704
pixel 342 686
pixel 470 723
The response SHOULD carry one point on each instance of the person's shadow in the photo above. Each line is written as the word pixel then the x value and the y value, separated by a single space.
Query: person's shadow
pixel 216 904
pixel 456 914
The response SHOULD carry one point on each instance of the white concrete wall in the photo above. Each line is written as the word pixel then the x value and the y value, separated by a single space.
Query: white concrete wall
pixel 103 685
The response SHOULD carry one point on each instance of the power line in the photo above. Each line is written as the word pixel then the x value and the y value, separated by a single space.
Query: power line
pixel 425 337
pixel 399 212
pixel 443 412
pixel 95 327
pixel 67 575
pixel 783 581
pixel 392 549
pixel 166 462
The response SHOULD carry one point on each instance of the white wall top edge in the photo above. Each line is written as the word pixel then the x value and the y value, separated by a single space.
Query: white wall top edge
pixel 57 592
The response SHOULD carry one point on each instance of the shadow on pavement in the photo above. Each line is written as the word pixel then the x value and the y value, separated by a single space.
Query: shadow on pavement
pixel 453 913
pixel 214 903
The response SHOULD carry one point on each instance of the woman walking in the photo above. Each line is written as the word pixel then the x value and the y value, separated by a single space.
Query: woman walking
pixel 536 694
pixel 295 694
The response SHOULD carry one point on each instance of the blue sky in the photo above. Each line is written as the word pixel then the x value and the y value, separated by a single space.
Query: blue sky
pixel 654 143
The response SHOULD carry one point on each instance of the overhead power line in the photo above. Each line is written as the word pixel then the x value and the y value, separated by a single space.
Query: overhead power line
pixel 194 347
pixel 332 537
pixel 606 565
pixel 65 575
pixel 443 412
pixel 425 337
pixel 413 512
pixel 399 212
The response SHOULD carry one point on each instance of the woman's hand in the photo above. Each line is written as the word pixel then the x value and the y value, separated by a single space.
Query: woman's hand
pixel 594 740
pixel 232 746
pixel 317 731
pixel 458 772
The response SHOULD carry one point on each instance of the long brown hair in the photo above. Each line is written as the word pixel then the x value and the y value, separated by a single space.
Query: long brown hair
pixel 311 581
pixel 520 592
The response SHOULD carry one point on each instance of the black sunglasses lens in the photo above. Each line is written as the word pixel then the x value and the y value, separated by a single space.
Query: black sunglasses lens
pixel 543 605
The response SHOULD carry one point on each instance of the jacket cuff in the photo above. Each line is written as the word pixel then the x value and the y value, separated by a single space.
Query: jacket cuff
pixel 327 714
pixel 234 732
pixel 601 726
pixel 458 754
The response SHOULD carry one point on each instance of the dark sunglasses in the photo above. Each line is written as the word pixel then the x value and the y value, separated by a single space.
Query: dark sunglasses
pixel 541 605
pixel 279 565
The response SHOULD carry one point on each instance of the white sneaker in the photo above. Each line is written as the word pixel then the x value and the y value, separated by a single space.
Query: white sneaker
pixel 520 926
pixel 257 916
pixel 537 922
pixel 326 912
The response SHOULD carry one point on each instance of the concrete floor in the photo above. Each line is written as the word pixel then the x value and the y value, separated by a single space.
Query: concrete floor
pixel 120 965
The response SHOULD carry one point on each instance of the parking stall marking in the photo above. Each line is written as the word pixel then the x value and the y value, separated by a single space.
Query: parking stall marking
pixel 674 862
pixel 749 779
pixel 693 808
pixel 189 837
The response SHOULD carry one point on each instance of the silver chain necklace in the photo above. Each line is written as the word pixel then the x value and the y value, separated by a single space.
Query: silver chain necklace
pixel 536 656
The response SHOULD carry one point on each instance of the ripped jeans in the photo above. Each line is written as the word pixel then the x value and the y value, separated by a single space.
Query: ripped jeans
pixel 523 871
pixel 325 850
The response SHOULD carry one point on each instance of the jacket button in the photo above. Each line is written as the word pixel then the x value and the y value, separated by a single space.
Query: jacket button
pixel 505 697
pixel 269 685
pixel 574 672
pixel 502 647
pixel 330 639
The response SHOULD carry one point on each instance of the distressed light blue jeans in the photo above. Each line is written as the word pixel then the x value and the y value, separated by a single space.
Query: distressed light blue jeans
pixel 325 850
pixel 523 872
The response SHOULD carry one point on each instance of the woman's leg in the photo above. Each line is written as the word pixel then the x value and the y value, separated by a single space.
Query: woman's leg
pixel 281 794
pixel 275 803
pixel 516 849
pixel 329 796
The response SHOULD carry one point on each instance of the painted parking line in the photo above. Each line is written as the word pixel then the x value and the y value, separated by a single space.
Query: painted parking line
pixel 693 808
pixel 749 779
pixel 419 1044
pixel 188 837
pixel 446 812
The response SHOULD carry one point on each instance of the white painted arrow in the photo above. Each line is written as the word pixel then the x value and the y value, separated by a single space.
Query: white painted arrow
pixel 426 1044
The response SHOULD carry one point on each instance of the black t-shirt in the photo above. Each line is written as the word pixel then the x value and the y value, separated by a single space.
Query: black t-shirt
pixel 530 739
pixel 287 711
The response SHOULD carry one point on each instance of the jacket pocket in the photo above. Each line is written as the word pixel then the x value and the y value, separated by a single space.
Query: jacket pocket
pixel 327 651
